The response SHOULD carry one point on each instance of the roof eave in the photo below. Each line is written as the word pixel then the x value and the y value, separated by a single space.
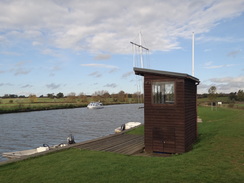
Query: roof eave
pixel 142 72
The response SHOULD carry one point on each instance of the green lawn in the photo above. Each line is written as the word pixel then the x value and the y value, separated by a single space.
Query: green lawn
pixel 216 157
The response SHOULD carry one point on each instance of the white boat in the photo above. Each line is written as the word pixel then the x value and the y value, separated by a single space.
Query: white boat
pixel 95 105
pixel 20 154
pixel 127 126
pixel 45 147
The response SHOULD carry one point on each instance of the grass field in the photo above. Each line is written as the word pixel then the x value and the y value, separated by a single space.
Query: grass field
pixel 216 157
pixel 26 104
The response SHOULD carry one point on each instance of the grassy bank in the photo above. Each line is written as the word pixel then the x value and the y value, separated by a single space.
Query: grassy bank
pixel 216 157
pixel 25 104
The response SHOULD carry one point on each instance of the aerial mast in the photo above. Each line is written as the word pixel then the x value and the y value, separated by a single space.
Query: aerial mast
pixel 193 37
pixel 141 49
pixel 142 64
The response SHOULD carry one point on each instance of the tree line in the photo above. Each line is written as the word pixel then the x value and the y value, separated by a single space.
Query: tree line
pixel 103 96
pixel 213 94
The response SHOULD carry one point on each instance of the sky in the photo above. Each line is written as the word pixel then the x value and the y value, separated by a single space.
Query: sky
pixel 83 46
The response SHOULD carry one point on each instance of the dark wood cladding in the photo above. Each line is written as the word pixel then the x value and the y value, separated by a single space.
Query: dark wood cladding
pixel 170 128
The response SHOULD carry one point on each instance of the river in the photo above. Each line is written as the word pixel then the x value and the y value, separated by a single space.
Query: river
pixel 28 130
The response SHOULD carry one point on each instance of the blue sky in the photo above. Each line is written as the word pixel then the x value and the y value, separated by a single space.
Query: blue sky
pixel 84 46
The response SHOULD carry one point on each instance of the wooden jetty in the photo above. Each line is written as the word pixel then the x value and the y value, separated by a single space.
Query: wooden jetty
pixel 122 143
pixel 119 143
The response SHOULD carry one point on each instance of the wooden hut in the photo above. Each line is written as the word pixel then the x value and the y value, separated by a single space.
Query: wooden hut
pixel 170 111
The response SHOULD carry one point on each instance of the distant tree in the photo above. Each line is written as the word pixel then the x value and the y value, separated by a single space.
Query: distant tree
pixel 50 95
pixel 6 96
pixel 20 101
pixel 10 96
pixel 82 96
pixel 233 96
pixel 121 96
pixel 96 97
pixel 106 95
pixel 32 98
pixel 114 97
pixel 99 95
pixel 13 96
pixel 212 95
pixel 71 97
pixel 60 95
pixel 212 91
pixel 240 95
pixel 137 97
pixel 204 95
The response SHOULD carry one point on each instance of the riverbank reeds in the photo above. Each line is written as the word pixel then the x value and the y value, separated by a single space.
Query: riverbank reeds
pixel 216 157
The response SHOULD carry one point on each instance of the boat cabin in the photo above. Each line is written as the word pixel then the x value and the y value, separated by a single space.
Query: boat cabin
pixel 170 111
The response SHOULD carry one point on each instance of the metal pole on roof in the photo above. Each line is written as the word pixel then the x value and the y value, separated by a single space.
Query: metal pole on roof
pixel 142 64
pixel 193 37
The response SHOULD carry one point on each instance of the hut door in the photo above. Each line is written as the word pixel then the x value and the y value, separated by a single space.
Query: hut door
pixel 164 139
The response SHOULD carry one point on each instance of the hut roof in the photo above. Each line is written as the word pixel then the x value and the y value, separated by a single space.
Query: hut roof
pixel 142 72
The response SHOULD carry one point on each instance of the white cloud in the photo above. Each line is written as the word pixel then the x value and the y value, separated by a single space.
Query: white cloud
pixel 111 25
pixel 110 67
pixel 10 53
pixel 234 53
pixel 127 74
pixel 112 85
pixel 53 86
pixel 27 86
pixel 6 84
pixel 219 39
pixel 100 65
pixel 223 85
pixel 36 43
pixel 21 68
pixel 208 65
pixel 51 52
pixel 21 71
pixel 96 74
pixel 102 57
pixel 238 80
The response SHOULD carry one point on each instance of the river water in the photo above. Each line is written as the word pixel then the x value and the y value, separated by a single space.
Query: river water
pixel 28 130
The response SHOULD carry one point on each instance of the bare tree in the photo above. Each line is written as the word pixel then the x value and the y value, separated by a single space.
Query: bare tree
pixel 71 97
pixel 212 95
pixel 121 96
pixel 83 97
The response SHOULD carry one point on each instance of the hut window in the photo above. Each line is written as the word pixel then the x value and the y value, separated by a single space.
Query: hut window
pixel 163 92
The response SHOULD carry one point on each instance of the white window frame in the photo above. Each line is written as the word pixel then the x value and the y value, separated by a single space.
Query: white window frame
pixel 163 92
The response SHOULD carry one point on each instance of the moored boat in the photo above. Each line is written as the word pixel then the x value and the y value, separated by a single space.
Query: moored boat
pixel 45 147
pixel 95 105
pixel 20 154
pixel 127 126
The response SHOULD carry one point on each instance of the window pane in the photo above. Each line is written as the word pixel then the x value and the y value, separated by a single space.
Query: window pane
pixel 169 93
pixel 163 92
